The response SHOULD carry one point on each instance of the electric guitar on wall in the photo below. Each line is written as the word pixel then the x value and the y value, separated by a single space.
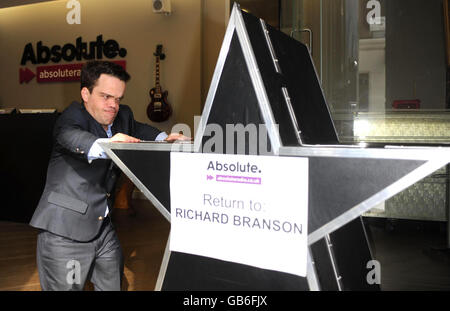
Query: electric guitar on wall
pixel 159 109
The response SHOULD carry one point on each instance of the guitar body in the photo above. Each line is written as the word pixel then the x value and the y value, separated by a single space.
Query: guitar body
pixel 159 109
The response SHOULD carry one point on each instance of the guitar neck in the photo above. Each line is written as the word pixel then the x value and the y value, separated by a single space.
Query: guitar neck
pixel 157 84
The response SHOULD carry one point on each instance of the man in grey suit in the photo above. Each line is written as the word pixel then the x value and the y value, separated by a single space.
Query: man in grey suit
pixel 77 240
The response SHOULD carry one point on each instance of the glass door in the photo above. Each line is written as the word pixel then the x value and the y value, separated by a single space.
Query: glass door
pixel 383 69
pixel 330 29
pixel 347 44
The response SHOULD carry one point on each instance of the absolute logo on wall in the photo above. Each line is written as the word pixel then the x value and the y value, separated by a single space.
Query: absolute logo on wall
pixel 40 54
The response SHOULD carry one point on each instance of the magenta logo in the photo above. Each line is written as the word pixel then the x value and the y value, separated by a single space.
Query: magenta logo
pixel 239 179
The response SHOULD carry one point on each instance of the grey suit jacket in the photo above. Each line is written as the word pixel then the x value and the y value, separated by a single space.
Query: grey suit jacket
pixel 77 192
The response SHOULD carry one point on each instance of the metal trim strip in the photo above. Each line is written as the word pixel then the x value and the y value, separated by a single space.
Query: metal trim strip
pixel 107 148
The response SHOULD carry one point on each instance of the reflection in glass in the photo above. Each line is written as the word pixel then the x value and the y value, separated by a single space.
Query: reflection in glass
pixel 383 69
pixel 381 63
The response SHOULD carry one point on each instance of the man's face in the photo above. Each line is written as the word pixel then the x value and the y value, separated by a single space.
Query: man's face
pixel 103 102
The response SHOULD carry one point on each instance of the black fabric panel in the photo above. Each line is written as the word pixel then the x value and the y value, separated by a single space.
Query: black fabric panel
pixel 152 168
pixel 304 88
pixel 273 81
pixel 189 272
pixel 323 265
pixel 338 184
pixel 352 253
pixel 235 100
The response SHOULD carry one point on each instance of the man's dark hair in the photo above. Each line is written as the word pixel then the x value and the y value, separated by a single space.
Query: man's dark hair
pixel 92 70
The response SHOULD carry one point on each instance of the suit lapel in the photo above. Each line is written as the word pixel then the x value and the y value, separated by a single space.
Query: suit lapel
pixel 94 127
pixel 99 131
pixel 117 126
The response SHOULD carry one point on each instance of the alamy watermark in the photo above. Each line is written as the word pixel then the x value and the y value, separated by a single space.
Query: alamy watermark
pixel 74 15
pixel 74 274
pixel 374 275
pixel 374 15
pixel 237 138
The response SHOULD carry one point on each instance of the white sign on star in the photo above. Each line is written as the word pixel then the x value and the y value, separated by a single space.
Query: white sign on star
pixel 250 210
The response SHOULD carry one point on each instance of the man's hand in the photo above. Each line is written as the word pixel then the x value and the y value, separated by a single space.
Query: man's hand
pixel 122 138
pixel 175 136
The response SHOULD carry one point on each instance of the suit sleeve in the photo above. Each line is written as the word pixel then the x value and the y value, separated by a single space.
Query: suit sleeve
pixel 141 130
pixel 145 132
pixel 71 135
